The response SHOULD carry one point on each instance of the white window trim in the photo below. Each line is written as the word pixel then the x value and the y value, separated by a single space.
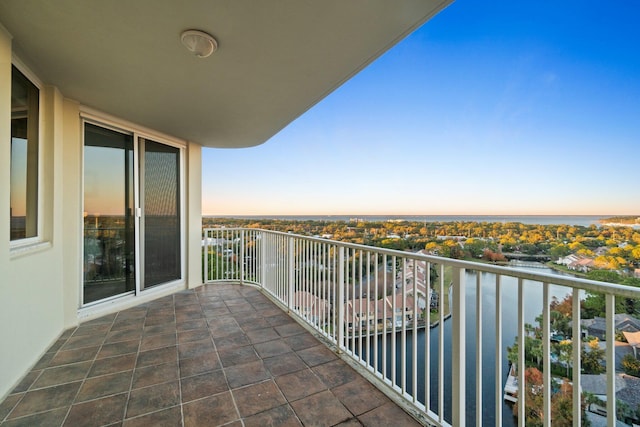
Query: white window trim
pixel 22 247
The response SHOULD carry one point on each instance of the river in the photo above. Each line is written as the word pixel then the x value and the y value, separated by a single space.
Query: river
pixel 533 298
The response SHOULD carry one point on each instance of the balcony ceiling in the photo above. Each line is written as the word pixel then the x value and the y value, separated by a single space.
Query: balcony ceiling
pixel 275 60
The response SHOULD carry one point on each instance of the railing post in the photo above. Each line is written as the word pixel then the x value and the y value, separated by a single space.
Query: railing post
pixel 458 348
pixel 205 256
pixel 610 310
pixel 340 299
pixel 242 248
pixel 263 259
pixel 291 271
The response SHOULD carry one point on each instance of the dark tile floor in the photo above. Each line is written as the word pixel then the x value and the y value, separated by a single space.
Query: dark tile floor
pixel 217 355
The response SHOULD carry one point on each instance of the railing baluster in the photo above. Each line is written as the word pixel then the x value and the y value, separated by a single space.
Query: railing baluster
pixel 427 341
pixel 610 304
pixel 394 381
pixel 340 299
pixel 403 326
pixel 478 349
pixel 414 335
pixel 441 316
pixel 376 315
pixel 242 257
pixel 384 316
pixel 546 349
pixel 369 311
pixel 499 383
pixel 458 376
pixel 521 354
pixel 577 347
pixel 360 325
pixel 352 301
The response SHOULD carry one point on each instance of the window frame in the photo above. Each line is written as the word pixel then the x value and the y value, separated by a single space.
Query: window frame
pixel 20 245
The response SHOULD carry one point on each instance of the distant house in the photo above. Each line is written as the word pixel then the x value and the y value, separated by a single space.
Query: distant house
pixel 571 258
pixel 627 391
pixel 456 238
pixel 633 338
pixel 576 262
pixel 596 327
pixel 360 314
pixel 583 265
pixel 602 250
pixel 415 275
pixel 312 307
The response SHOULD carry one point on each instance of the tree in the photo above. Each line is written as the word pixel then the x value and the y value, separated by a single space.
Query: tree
pixel 512 354
pixel 604 276
pixel 533 398
pixel 561 402
pixel 631 365
pixel 632 306
pixel 565 349
pixel 594 303
pixel 592 357
pixel 489 255
pixel 474 247
pixel 559 251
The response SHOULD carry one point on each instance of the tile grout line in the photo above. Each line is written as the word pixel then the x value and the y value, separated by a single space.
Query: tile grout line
pixel 64 420
pixel 179 372
pixel 135 363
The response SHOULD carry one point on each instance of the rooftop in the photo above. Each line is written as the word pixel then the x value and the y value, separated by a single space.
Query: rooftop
pixel 216 355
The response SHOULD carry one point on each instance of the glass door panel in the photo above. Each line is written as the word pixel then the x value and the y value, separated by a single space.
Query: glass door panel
pixel 160 225
pixel 109 223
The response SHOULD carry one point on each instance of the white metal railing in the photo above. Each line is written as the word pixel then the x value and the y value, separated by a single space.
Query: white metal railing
pixel 434 330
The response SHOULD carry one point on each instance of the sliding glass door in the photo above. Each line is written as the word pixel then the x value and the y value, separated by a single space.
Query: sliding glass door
pixel 109 233
pixel 161 206
pixel 132 222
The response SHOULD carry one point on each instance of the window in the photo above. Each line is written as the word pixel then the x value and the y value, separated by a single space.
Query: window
pixel 24 157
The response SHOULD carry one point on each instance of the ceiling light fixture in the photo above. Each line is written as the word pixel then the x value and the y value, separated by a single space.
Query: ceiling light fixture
pixel 199 43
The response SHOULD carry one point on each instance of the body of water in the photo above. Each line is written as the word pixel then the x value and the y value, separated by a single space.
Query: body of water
pixel 583 220
pixel 533 296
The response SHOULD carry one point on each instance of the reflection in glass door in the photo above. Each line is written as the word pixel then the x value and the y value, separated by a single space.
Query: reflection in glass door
pixel 160 223
pixel 109 226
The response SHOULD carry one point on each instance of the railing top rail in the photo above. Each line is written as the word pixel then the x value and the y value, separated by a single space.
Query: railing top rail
pixel 571 282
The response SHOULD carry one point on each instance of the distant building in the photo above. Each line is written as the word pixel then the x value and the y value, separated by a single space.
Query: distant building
pixel 576 262
pixel 627 391
pixel 596 327
pixel 360 314
pixel 311 307
pixel 456 238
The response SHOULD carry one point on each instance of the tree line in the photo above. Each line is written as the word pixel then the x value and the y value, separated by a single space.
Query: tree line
pixel 611 247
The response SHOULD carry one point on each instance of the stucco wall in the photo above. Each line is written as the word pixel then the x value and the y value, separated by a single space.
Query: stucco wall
pixel 40 285
pixel 31 290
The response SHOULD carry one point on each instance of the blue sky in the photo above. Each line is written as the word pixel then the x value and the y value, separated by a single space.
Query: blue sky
pixel 500 107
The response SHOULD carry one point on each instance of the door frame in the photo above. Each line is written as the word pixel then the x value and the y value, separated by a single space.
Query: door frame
pixel 90 116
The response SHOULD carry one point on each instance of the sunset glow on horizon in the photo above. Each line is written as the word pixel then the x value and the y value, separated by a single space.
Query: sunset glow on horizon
pixel 496 108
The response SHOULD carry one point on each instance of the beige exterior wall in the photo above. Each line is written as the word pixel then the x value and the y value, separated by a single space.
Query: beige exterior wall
pixel 40 284
pixel 194 215
pixel 31 290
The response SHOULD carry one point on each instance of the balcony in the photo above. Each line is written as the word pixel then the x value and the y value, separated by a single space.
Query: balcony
pixel 435 333
pixel 220 355
pixel 321 333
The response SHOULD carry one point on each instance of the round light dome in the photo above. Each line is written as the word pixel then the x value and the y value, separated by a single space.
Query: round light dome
pixel 199 43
